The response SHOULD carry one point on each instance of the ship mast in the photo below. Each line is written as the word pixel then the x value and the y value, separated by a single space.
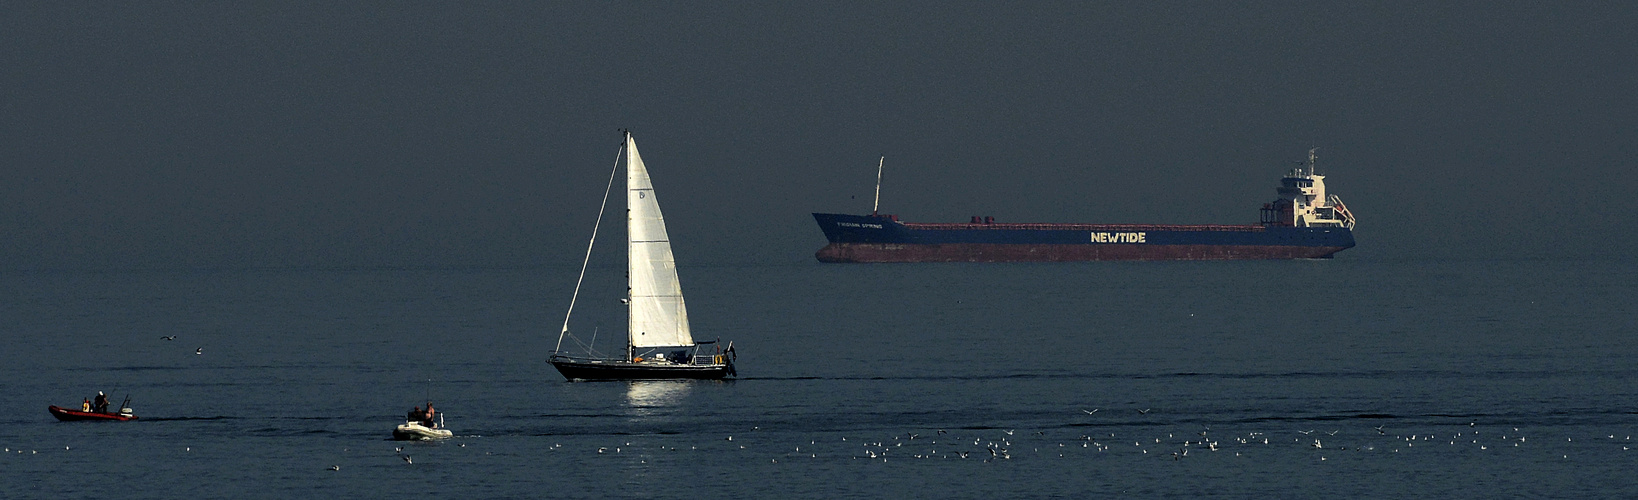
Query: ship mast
pixel 876 207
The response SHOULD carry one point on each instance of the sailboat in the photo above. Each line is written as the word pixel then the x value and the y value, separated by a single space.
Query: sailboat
pixel 659 344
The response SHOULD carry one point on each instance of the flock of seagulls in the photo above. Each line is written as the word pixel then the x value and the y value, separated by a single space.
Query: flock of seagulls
pixel 992 445
pixel 1133 440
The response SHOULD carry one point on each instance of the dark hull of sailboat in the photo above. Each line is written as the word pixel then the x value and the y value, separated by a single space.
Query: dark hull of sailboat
pixel 615 369
pixel 68 415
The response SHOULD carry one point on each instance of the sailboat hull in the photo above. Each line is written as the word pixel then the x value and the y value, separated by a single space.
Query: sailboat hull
pixel 613 369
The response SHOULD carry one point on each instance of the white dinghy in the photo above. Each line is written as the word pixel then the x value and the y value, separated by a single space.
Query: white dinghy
pixel 414 431
pixel 417 430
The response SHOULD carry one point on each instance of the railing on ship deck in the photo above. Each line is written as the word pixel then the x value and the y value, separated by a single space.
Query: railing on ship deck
pixel 1079 227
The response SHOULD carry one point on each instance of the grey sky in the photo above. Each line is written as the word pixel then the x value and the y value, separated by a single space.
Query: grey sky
pixel 480 134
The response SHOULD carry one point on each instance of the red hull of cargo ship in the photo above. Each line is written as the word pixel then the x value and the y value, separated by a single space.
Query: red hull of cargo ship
pixel 979 252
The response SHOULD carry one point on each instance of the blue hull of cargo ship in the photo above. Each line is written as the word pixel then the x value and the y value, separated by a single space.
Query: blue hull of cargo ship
pixel 865 238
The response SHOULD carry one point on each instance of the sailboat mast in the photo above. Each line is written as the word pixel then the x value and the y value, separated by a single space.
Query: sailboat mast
pixel 631 252
pixel 875 207
pixel 657 315
pixel 589 244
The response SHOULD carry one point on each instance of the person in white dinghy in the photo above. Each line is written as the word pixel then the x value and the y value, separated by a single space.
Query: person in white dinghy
pixel 428 418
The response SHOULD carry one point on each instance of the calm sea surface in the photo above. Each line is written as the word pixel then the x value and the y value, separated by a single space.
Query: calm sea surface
pixel 1288 379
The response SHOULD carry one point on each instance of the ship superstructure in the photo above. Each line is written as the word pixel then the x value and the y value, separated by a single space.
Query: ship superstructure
pixel 1303 202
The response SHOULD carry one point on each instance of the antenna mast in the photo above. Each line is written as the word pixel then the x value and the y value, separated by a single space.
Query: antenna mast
pixel 874 208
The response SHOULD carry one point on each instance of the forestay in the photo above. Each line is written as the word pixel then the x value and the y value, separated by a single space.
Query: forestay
pixel 658 316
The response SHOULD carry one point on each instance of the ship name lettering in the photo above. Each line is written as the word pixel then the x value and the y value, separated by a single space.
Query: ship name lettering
pixel 1098 237
pixel 855 224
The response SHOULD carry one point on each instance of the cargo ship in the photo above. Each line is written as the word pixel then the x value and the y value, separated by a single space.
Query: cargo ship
pixel 1303 223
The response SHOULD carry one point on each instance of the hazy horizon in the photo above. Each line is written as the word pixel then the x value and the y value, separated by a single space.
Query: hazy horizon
pixel 450 135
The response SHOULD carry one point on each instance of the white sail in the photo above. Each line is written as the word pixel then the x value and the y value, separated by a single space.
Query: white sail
pixel 658 316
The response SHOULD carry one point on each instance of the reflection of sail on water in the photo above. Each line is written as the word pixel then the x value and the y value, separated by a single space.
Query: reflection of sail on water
pixel 655 393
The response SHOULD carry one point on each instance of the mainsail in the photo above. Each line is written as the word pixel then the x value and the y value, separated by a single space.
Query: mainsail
pixel 658 316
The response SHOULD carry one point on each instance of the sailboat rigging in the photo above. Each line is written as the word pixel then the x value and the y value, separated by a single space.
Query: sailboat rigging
pixel 659 342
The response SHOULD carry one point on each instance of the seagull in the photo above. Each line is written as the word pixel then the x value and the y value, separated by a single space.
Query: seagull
pixel 407 460
pixel 1305 433
pixel 199 351
pixel 1379 429
pixel 941 432
pixel 1094 410
pixel 335 467
pixel 625 301
pixel 1144 411
pixel 1009 432
pixel 172 337
pixel 399 449
pixel 1333 433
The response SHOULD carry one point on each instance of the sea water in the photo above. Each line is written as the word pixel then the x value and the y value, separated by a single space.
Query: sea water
pixel 1283 379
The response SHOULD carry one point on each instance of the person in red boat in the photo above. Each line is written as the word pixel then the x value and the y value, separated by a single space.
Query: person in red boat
pixel 86 406
pixel 101 404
